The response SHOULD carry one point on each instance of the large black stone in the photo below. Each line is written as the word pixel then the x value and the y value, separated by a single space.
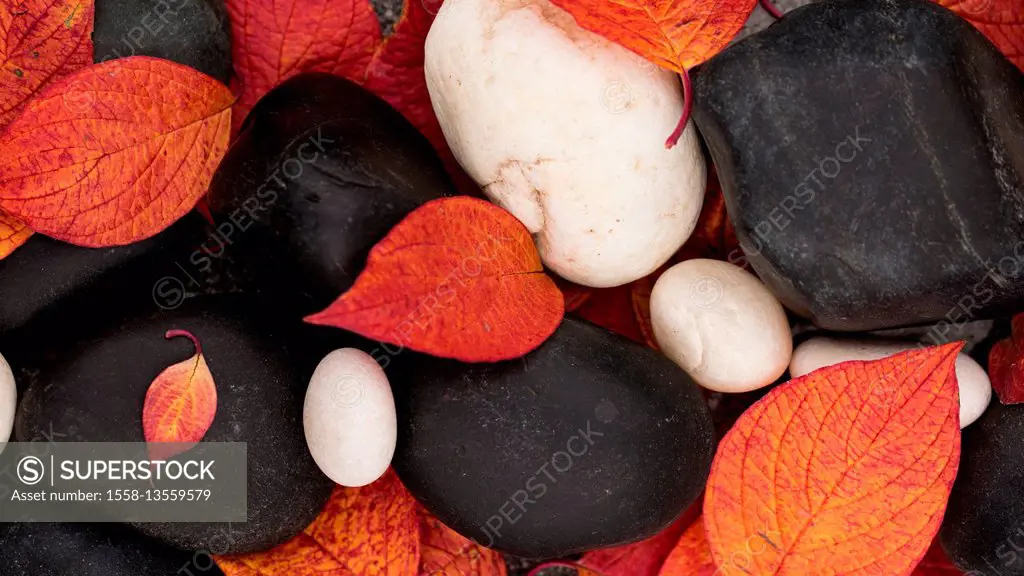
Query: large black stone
pixel 589 441
pixel 195 33
pixel 261 364
pixel 872 158
pixel 321 172
pixel 40 549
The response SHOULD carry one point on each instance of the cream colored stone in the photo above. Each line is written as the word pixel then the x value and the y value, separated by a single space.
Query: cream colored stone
pixel 567 131
pixel 8 401
pixel 721 325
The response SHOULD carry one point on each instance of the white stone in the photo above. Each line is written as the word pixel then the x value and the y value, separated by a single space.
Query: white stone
pixel 818 352
pixel 349 418
pixel 567 131
pixel 720 324
pixel 8 401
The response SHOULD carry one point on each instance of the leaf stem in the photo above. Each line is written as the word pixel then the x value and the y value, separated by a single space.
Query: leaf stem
pixel 195 341
pixel 673 138
pixel 772 9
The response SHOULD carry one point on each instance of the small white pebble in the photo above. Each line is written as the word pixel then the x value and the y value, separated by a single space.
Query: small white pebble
pixel 975 388
pixel 721 325
pixel 8 401
pixel 349 418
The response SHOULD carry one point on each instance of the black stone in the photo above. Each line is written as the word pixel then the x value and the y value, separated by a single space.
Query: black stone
pixel 872 159
pixel 599 440
pixel 261 365
pixel 40 549
pixel 320 173
pixel 195 33
pixel 983 530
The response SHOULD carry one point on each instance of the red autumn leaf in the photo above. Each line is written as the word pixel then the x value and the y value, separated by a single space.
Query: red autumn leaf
pixel 13 233
pixel 575 295
pixel 180 403
pixel 1001 21
pixel 936 563
pixel 369 531
pixel 446 553
pixel 612 308
pixel 692 555
pixel 643 558
pixel 41 41
pixel 457 278
pixel 115 152
pixel 1006 364
pixel 676 35
pixel 844 471
pixel 273 40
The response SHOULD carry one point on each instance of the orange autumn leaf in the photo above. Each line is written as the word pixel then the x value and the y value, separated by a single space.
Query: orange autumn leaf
pixel 41 41
pixel 13 233
pixel 180 404
pixel 458 278
pixel 115 152
pixel 444 552
pixel 1001 21
pixel 643 558
pixel 369 531
pixel 1006 364
pixel 692 555
pixel 844 471
pixel 273 40
pixel 674 34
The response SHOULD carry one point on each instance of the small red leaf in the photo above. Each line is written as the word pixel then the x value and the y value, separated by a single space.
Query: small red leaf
pixel 13 233
pixel 936 563
pixel 1006 364
pixel 646 557
pixel 180 403
pixel 457 278
pixel 692 555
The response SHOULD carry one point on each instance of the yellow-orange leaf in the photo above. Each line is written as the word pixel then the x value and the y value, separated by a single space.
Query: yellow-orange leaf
pixel 180 403
pixel 674 34
pixel 844 471
pixel 115 152
pixel 41 41
pixel 447 553
pixel 13 233
pixel 692 556
pixel 368 531
pixel 1002 21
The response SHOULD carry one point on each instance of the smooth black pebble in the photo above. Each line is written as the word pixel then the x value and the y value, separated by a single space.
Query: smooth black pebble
pixel 589 441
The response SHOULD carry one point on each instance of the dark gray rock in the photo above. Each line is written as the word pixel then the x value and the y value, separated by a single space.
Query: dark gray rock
pixel 95 391
pixel 195 33
pixel 872 158
pixel 589 441
pixel 983 530
pixel 40 549
pixel 321 172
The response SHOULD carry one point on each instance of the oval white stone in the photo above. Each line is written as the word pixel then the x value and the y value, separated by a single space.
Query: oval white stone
pixel 721 325
pixel 818 352
pixel 349 418
pixel 566 131
pixel 8 401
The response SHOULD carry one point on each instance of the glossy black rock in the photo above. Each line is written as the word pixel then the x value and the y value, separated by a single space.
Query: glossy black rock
pixel 589 441
pixel 872 158
pixel 983 530
pixel 320 173
pixel 95 391
pixel 195 33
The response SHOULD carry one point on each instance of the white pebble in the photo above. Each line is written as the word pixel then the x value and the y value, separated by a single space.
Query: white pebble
pixel 721 325
pixel 975 388
pixel 349 418
pixel 8 401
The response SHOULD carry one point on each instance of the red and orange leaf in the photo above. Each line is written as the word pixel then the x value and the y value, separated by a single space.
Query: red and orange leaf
pixel 180 403
pixel 844 471
pixel 575 295
pixel 273 40
pixel 692 555
pixel 936 563
pixel 13 233
pixel 643 558
pixel 457 278
pixel 1006 364
pixel 676 35
pixel 115 152
pixel 369 531
pixel 1001 21
pixel 444 552
pixel 612 308
pixel 41 41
